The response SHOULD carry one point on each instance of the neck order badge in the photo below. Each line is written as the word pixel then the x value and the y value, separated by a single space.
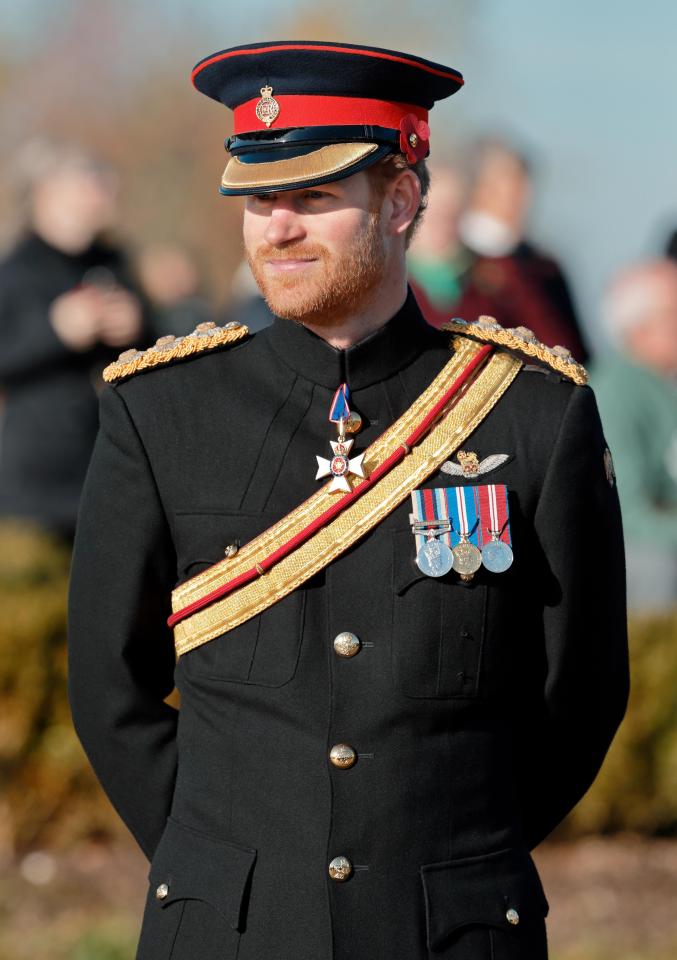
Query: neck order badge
pixel 340 467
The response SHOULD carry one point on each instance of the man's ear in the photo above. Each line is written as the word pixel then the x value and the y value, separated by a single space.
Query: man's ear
pixel 404 194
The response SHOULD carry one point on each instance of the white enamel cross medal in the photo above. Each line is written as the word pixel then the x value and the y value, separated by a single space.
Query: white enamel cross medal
pixel 341 465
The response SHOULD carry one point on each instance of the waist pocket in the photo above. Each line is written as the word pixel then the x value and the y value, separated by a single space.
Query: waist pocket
pixel 496 900
pixel 196 903
pixel 438 627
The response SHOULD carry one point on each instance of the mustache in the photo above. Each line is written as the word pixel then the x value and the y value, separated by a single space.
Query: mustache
pixel 293 251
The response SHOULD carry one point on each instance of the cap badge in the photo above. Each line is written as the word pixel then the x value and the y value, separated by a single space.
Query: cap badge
pixel 267 109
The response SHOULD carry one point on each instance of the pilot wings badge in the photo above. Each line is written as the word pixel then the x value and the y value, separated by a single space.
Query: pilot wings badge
pixel 470 466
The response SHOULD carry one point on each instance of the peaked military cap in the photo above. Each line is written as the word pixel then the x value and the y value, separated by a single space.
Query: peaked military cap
pixel 309 112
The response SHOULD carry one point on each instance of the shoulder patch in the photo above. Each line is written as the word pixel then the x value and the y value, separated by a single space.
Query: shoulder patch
pixel 204 337
pixel 522 340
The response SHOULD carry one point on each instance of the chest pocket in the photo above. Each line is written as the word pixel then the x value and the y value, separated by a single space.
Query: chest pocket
pixel 438 628
pixel 265 649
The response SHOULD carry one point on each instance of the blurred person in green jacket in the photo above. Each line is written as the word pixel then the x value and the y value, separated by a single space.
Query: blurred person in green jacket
pixel 636 388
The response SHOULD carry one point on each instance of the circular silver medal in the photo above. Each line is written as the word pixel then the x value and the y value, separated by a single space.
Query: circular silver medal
pixel 434 558
pixel 496 556
pixel 466 558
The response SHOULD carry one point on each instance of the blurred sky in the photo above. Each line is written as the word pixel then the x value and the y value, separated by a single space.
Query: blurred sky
pixel 586 85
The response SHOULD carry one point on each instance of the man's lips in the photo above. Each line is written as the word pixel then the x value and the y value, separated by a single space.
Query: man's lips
pixel 286 265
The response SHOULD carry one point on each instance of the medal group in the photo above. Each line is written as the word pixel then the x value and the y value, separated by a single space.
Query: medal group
pixel 461 529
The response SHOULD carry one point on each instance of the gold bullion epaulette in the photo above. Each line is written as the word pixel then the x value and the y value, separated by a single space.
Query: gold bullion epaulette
pixel 204 337
pixel 522 340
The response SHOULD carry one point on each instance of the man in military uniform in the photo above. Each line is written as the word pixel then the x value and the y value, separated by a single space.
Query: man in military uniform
pixel 401 658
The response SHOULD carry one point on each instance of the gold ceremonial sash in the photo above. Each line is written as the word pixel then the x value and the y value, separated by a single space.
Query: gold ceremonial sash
pixel 465 411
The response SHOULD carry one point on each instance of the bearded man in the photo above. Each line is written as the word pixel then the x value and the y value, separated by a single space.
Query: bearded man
pixel 382 564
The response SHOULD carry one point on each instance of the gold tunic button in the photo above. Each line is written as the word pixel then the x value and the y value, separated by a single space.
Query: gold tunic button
pixel 340 868
pixel 346 644
pixel 162 891
pixel 512 916
pixel 343 756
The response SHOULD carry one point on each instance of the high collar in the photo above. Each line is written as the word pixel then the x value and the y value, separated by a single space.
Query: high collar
pixel 389 349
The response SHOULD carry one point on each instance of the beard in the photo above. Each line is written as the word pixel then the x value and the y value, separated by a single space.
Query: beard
pixel 339 284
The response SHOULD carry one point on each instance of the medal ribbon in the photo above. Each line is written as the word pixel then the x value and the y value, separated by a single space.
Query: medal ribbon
pixel 431 506
pixel 464 513
pixel 340 410
pixel 493 504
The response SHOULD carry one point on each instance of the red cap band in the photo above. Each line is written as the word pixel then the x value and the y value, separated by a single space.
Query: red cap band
pixel 314 111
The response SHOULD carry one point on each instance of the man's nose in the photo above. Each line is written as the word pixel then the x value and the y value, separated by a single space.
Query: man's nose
pixel 284 224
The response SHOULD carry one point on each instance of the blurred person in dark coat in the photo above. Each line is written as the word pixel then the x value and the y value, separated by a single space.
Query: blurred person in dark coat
pixel 67 307
pixel 636 387
pixel 500 271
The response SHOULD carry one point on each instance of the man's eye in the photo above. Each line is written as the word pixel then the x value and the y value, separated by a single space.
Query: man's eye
pixel 263 197
pixel 316 194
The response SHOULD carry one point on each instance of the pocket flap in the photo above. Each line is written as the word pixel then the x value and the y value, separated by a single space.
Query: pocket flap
pixel 195 866
pixel 481 890
pixel 201 538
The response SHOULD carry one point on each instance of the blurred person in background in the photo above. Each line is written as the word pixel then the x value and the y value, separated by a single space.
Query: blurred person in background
pixel 636 388
pixel 67 306
pixel 436 259
pixel 171 280
pixel 499 271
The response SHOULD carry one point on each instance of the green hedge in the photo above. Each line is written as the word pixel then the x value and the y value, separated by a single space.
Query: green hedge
pixel 49 795
pixel 636 789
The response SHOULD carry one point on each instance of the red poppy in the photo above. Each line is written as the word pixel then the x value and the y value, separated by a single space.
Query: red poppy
pixel 414 138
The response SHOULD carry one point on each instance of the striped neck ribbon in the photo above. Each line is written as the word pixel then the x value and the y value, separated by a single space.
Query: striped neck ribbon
pixel 340 408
